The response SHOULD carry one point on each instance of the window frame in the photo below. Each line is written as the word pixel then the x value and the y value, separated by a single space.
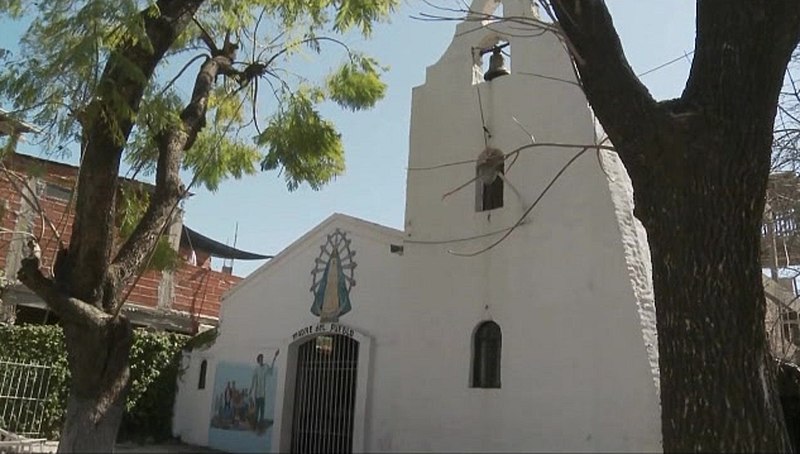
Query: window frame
pixel 201 381
pixel 490 196
pixel 487 348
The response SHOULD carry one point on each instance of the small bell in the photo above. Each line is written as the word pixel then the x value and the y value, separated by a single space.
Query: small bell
pixel 497 66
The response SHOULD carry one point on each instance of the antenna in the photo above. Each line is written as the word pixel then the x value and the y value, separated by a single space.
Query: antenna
pixel 235 238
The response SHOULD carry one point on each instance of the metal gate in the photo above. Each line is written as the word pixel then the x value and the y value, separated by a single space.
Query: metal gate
pixel 23 397
pixel 325 395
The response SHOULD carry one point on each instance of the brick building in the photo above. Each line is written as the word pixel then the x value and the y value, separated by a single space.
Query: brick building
pixel 184 299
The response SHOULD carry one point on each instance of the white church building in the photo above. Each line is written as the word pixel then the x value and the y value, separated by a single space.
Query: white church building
pixel 441 337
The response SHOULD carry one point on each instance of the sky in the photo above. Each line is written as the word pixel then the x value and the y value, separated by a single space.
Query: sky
pixel 270 218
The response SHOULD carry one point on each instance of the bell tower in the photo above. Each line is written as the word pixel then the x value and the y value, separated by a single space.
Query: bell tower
pixel 514 216
pixel 503 83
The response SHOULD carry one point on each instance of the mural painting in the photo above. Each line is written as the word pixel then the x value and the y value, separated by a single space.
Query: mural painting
pixel 332 278
pixel 242 407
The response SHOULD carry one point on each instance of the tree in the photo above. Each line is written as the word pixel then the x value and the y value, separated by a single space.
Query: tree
pixel 699 167
pixel 88 72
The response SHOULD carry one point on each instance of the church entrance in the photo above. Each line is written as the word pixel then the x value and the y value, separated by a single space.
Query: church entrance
pixel 325 395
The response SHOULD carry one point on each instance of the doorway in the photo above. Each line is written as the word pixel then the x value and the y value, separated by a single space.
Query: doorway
pixel 325 395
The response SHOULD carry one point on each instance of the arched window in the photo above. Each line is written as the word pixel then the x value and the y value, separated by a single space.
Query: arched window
pixel 201 383
pixel 489 181
pixel 486 347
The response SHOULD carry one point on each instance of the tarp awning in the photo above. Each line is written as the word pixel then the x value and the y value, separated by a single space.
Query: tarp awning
pixel 193 240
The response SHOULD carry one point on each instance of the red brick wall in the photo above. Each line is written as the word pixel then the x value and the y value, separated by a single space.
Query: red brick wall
pixel 56 211
pixel 200 290
pixel 145 293
pixel 197 289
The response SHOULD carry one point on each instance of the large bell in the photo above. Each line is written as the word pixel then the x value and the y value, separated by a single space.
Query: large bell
pixel 497 66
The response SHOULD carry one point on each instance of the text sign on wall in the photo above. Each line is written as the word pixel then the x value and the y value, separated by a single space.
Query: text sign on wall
pixel 324 328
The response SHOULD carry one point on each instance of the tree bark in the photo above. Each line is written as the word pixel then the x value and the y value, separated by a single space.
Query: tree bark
pixel 699 166
pixel 717 375
pixel 99 365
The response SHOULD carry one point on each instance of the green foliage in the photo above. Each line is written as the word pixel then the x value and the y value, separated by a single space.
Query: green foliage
pixel 12 8
pixel 357 84
pixel 61 58
pixel 131 206
pixel 347 13
pixel 306 146
pixel 155 362
pixel 70 44
pixel 216 157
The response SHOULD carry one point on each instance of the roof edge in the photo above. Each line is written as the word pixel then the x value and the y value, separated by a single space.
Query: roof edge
pixel 353 221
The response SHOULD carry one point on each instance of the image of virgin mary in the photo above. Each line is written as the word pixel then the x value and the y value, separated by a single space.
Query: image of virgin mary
pixel 332 299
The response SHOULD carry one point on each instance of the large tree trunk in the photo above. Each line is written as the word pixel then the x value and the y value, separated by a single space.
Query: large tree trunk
pixel 699 166
pixel 99 365
pixel 717 375
pixel 82 434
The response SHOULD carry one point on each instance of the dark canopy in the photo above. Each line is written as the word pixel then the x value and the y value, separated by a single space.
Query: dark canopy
pixel 198 242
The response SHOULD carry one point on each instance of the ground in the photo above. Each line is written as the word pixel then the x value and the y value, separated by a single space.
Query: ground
pixel 167 447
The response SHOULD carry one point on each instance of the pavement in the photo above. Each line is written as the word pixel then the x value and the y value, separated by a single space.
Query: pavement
pixel 169 447
pixel 132 448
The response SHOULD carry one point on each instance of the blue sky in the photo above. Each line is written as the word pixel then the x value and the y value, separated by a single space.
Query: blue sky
pixel 653 32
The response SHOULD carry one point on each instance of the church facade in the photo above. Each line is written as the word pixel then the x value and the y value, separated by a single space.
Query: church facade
pixel 513 312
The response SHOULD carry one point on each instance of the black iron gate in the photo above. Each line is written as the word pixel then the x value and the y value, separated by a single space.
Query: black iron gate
pixel 325 395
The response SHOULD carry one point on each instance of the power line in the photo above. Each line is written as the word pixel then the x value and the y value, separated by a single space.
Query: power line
pixel 664 65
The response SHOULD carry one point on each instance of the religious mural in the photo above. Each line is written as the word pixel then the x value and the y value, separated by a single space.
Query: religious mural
pixel 242 407
pixel 332 278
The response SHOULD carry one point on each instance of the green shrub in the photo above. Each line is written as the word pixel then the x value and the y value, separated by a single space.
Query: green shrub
pixel 155 362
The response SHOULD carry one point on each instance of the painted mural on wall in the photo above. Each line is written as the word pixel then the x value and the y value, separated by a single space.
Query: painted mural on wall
pixel 242 407
pixel 333 277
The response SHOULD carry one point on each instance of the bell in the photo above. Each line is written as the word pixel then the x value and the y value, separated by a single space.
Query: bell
pixel 497 66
